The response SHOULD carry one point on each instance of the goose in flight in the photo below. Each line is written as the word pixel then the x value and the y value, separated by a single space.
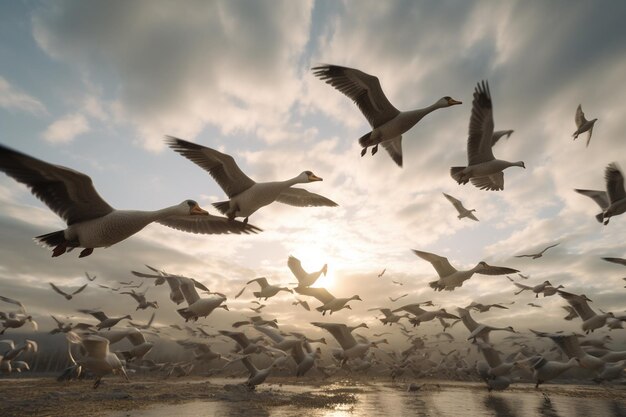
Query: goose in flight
pixel 591 319
pixel 534 305
pixel 198 307
pixel 246 345
pixel 142 303
pixel 613 200
pixel 538 254
pixel 483 170
pixel 569 344
pixel 450 278
pixel 245 195
pixel 343 334
pixel 68 296
pixel 303 303
pixel 15 320
pixel 380 275
pixel 89 277
pixel 545 370
pixel 146 326
pixel 583 125
pixel 393 300
pixel 267 290
pixel 458 205
pixel 387 123
pixel 304 356
pixel 329 301
pixel 537 289
pixel 104 321
pixel 91 221
pixel 258 376
pixel 389 318
pixel 422 315
pixel 305 279
pixel 256 321
pixel 483 308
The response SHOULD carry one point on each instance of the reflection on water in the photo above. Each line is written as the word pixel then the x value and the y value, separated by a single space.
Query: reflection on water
pixel 393 400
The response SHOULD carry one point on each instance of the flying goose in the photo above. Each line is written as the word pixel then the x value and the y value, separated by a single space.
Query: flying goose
pixel 305 279
pixel 258 376
pixel 538 254
pixel 92 222
pixel 537 289
pixel 304 356
pixel 247 346
pixel 90 278
pixel 569 344
pixel 329 301
pixel 140 297
pixel 450 278
pixel 422 315
pixel 591 320
pixel 245 195
pixel 388 123
pixel 105 322
pixel 14 320
pixel 534 305
pixel 267 290
pixel 146 326
pixel 389 318
pixel 380 275
pixel 483 308
pixel 613 200
pixel 483 170
pixel 343 335
pixel 258 309
pixel 256 321
pixel 198 307
pixel 393 300
pixel 458 205
pixel 583 125
pixel 279 341
pixel 545 370
pixel 484 329
pixel 67 295
pixel 303 303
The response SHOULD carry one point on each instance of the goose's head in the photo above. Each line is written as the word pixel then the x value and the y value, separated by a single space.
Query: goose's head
pixel 510 329
pixel 308 176
pixel 190 207
pixel 546 283
pixel 519 164
pixel 356 297
pixel 447 101
pixel 224 306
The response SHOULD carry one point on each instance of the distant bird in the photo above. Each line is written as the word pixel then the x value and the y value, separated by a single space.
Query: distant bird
pixel 14 320
pixel 146 326
pixel 258 376
pixel 159 277
pixel 105 322
pixel 66 295
pixel 267 290
pixel 389 318
pixel 393 300
pixel 537 289
pixel 483 308
pixel 458 205
pixel 382 273
pixel 246 345
pixel 619 261
pixel 256 321
pixel 109 288
pixel 534 305
pixel 522 276
pixel 483 170
pixel 422 315
pixel 126 282
pixel 92 222
pixel 140 347
pixel 570 346
pixel 304 356
pixel 483 330
pixel 387 123
pixel 141 300
pixel 329 301
pixel 538 254
pixel 303 303
pixel 305 279
pixel 583 125
pixel 90 278
pixel 613 200
pixel 397 282
pixel 450 278
pixel 258 309
pixel 62 327
pixel 245 195
pixel 591 320
pixel 545 370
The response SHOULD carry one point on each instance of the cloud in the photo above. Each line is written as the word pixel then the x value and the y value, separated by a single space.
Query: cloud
pixel 11 98
pixel 65 129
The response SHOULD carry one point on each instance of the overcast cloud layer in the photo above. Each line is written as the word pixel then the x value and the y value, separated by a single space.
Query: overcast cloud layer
pixel 96 85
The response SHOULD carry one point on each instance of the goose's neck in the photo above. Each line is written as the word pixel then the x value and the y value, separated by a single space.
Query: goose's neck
pixel 420 113
pixel 162 214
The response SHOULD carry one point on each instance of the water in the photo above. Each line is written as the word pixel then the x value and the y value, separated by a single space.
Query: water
pixel 375 399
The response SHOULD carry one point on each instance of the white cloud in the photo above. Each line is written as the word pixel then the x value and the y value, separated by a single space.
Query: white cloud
pixel 66 128
pixel 11 98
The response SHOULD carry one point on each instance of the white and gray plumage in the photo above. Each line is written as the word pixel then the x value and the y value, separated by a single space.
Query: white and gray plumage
pixel 545 370
pixel 538 254
pixel 245 195
pixel 613 200
pixel 246 345
pixel 583 125
pixel 483 169
pixel 422 315
pixel 390 317
pixel 458 205
pixel 196 307
pixel 329 301
pixel 343 335
pixel 258 376
pixel 537 289
pixel 570 345
pixel 142 302
pixel 105 322
pixel 15 320
pixel 450 278
pixel 140 346
pixel 267 290
pixel 305 279
pixel 388 123
pixel 591 319
pixel 92 222
pixel 68 296
pixel 571 313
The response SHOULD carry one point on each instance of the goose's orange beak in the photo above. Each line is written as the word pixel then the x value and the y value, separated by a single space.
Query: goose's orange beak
pixel 196 210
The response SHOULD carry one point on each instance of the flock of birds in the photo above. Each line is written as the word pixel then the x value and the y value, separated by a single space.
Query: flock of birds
pixel 93 223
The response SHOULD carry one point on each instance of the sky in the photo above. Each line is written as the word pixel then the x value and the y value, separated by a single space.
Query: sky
pixel 96 86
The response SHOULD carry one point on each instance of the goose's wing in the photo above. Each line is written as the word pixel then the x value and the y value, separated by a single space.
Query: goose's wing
pixel 414 309
pixel 340 332
pixel 305 305
pixel 600 197
pixel 362 88
pixel 222 167
pixel 620 261
pixel 446 315
pixel 89 277
pixel 321 294
pixel 12 301
pixel 96 346
pixel 80 289
pixel 300 197
pixel 441 264
pixel 68 193
pixel 394 149
pixel 580 117
pixel 479 142
pixel 208 225
pixel 261 281
pixel 188 288
pixel 499 135
pixel 295 266
pixel 493 182
pixel 137 297
pixel 99 315
pixel 471 216
pixel 57 289
pixel 272 334
pixel 522 286
pixel 491 355
pixel 549 247
pixel 579 304
pixel 486 269
pixel 201 286
pixel 456 203
pixel 614 183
